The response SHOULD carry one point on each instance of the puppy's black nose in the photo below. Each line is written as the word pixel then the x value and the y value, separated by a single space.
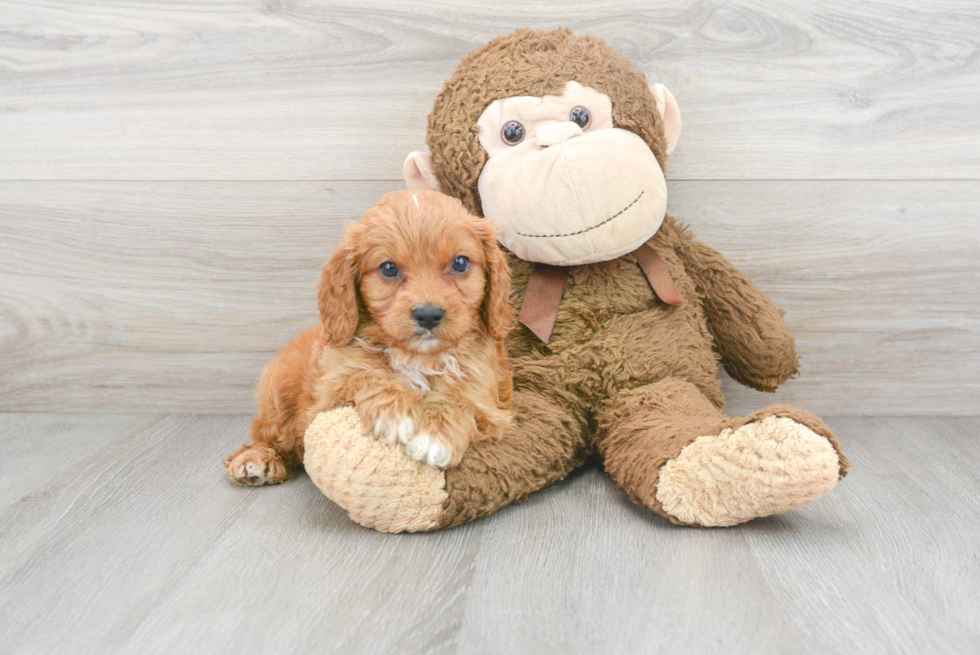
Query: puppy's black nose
pixel 428 316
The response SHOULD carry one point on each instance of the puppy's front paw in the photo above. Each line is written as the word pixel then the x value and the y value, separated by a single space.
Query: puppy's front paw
pixel 394 429
pixel 430 449
pixel 392 422
pixel 252 466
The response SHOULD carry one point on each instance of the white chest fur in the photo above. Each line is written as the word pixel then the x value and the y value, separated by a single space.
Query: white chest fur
pixel 419 372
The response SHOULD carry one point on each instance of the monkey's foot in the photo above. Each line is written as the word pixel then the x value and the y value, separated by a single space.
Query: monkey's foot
pixel 378 485
pixel 768 465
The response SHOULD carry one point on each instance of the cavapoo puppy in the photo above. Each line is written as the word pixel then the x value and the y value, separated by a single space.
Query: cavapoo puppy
pixel 414 307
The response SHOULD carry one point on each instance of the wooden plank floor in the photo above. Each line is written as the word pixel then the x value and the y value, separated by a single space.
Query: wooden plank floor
pixel 120 533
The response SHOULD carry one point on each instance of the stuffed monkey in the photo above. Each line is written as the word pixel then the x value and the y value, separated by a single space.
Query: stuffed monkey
pixel 625 317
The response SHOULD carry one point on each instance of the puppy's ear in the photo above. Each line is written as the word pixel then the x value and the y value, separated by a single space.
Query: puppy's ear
pixel 339 309
pixel 497 312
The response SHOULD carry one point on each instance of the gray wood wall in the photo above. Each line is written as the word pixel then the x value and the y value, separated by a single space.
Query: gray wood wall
pixel 172 176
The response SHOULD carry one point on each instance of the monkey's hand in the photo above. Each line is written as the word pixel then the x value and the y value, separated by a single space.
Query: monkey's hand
pixel 756 346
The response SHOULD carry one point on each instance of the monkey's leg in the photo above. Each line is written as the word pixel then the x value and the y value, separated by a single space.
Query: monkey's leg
pixel 674 452
pixel 381 488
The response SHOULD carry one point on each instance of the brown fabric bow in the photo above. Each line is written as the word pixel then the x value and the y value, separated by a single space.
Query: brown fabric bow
pixel 547 283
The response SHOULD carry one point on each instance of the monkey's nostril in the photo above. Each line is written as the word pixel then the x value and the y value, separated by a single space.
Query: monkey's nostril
pixel 428 316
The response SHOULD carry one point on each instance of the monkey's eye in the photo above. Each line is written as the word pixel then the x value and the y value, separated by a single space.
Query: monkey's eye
pixel 388 270
pixel 512 133
pixel 461 264
pixel 580 116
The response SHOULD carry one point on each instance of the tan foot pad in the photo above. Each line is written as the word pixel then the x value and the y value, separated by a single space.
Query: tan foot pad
pixel 762 468
pixel 377 484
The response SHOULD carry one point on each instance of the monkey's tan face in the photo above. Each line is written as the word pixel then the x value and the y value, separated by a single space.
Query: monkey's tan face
pixel 563 184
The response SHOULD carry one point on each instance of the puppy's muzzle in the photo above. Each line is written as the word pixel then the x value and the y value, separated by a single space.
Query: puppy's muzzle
pixel 428 317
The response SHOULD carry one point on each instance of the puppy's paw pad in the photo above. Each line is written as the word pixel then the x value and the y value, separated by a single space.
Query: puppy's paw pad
pixel 430 450
pixel 257 466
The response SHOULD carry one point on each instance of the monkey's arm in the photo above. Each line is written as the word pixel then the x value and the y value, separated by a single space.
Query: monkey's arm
pixel 755 344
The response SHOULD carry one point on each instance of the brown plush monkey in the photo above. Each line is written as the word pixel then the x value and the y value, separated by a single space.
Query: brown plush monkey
pixel 626 317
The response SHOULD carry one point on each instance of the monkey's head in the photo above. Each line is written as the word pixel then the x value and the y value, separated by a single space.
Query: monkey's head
pixel 558 140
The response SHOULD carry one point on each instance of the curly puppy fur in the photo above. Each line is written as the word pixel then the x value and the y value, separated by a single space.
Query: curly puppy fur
pixel 434 389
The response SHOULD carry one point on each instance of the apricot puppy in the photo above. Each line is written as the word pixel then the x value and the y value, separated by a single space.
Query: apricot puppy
pixel 414 307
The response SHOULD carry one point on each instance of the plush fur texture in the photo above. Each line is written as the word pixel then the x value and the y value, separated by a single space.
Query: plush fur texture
pixel 624 373
pixel 343 477
pixel 764 467
pixel 433 389
pixel 629 375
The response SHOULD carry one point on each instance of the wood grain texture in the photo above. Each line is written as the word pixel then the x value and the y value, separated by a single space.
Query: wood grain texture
pixel 173 296
pixel 121 534
pixel 287 90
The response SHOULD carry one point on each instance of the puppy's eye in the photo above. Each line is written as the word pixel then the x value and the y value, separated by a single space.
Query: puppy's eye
pixel 580 116
pixel 512 133
pixel 388 270
pixel 461 264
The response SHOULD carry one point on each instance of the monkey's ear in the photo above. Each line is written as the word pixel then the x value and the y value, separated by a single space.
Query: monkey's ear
pixel 670 112
pixel 418 171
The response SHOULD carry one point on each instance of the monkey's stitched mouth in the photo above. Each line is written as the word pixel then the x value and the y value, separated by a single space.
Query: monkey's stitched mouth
pixel 588 229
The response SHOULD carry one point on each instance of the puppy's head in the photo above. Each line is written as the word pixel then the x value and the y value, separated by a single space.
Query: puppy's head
pixel 422 269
